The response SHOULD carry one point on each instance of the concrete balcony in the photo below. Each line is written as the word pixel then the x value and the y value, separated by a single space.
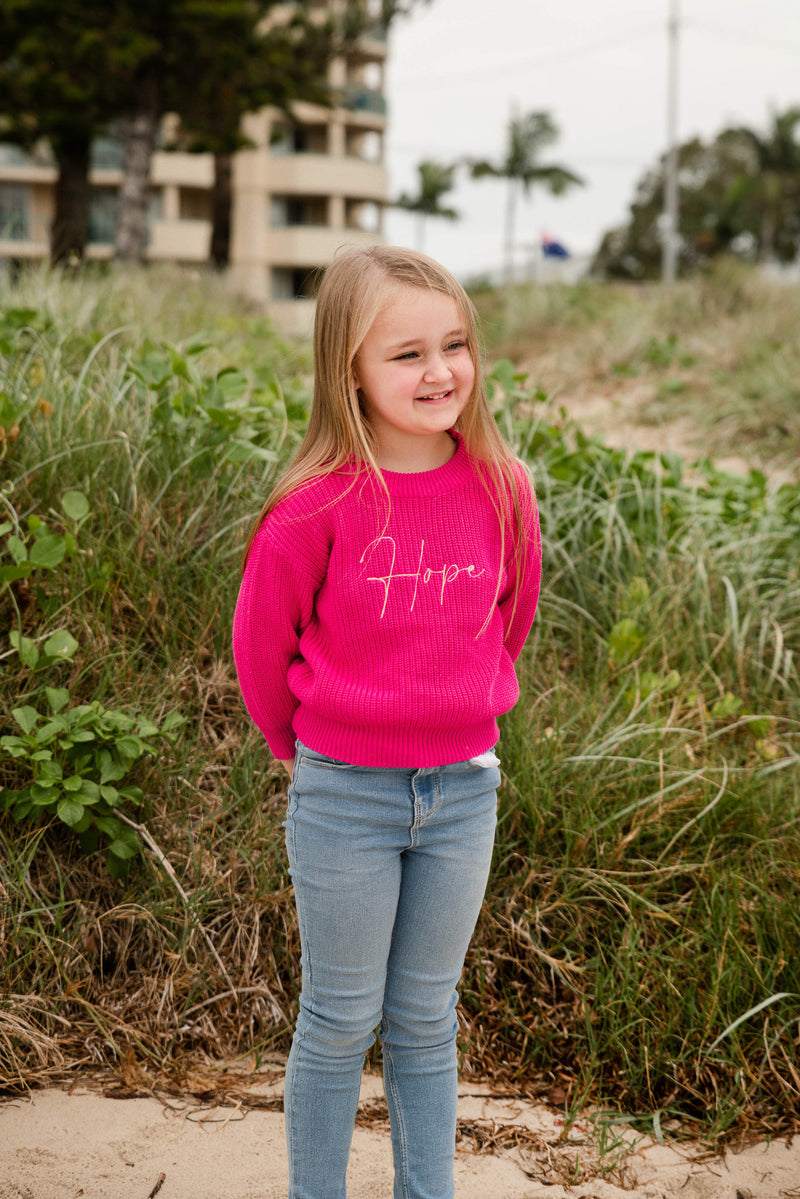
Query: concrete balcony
pixel 181 241
pixel 307 245
pixel 185 170
pixel 24 235
pixel 168 241
pixel 22 248
pixel 29 172
pixel 324 175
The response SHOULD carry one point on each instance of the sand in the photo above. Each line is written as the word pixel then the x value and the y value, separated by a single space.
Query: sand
pixel 59 1144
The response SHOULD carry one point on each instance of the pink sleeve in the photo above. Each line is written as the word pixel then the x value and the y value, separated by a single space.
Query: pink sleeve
pixel 518 612
pixel 276 601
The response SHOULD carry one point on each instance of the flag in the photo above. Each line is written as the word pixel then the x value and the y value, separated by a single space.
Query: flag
pixel 552 248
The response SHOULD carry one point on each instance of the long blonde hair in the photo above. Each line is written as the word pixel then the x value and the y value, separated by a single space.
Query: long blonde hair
pixel 354 290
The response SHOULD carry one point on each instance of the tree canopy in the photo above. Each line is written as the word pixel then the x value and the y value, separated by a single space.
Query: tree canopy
pixel 739 194
pixel 436 179
pixel 69 70
pixel 65 70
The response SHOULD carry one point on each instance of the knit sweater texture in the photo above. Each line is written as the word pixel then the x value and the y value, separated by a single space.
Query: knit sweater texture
pixel 374 632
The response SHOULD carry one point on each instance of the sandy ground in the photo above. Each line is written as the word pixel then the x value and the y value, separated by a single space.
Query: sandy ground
pixel 614 416
pixel 57 1144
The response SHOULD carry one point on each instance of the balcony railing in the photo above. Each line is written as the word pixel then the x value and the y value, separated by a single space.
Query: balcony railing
pixel 376 31
pixel 358 98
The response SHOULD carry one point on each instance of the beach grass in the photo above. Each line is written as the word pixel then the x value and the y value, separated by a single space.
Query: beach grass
pixel 637 947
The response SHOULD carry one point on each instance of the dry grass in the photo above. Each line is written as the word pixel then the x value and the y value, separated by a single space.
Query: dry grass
pixel 710 369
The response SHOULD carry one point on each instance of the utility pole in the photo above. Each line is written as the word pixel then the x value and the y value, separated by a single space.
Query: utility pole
pixel 669 245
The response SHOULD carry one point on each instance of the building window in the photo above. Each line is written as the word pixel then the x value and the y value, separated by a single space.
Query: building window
pixel 13 156
pixel 372 76
pixel 299 139
pixel 293 283
pixel 287 211
pixel 194 204
pixel 107 154
pixel 14 211
pixel 103 211
pixel 362 214
pixel 367 145
pixel 155 206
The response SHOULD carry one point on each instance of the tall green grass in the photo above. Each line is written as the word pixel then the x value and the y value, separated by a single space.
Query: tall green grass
pixel 647 884
pixel 637 948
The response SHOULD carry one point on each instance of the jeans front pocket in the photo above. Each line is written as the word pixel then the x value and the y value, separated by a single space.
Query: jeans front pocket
pixel 313 758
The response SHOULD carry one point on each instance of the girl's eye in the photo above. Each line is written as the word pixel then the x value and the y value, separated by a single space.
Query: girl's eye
pixel 408 354
pixel 456 345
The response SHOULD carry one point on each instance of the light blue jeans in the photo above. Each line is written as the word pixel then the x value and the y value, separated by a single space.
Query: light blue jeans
pixel 389 870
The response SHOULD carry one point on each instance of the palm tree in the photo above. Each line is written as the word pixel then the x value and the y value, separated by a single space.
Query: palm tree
pixel 435 180
pixel 527 137
pixel 772 185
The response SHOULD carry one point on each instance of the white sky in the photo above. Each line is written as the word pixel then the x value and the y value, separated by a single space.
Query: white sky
pixel 458 68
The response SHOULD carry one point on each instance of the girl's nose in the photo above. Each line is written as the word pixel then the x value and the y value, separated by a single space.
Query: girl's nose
pixel 438 368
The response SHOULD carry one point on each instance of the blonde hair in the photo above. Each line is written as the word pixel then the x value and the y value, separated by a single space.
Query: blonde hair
pixel 355 288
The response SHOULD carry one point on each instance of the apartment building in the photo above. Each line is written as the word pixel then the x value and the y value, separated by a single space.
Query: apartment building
pixel 300 191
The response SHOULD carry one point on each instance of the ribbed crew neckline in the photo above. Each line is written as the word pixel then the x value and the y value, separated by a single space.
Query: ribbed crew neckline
pixel 454 473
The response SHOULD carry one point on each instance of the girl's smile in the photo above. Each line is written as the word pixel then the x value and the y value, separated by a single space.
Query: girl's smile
pixel 415 376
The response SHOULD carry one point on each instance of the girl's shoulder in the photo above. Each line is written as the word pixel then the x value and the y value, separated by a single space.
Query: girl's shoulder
pixel 307 499
pixel 518 500
pixel 522 476
pixel 512 482
pixel 307 515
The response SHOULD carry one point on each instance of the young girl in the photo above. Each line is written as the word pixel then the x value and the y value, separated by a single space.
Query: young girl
pixel 389 584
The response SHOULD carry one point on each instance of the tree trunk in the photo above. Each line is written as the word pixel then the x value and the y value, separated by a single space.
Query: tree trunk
pixel 221 202
pixel 70 228
pixel 770 201
pixel 139 134
pixel 766 241
pixel 510 221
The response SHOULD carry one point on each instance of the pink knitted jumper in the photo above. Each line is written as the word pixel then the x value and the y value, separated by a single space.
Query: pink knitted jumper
pixel 362 630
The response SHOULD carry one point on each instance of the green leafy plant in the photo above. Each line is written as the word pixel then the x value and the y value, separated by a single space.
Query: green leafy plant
pixel 627 637
pixel 220 419
pixel 75 757
pixel 18 324
pixel 34 549
pixel 664 352
pixel 37 546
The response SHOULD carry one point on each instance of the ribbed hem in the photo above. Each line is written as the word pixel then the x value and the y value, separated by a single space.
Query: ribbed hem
pixel 394 747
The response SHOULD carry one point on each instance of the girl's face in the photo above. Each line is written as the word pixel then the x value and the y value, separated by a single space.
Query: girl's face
pixel 415 375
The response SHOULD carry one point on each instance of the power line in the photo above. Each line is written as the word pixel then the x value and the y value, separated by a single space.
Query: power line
pixel 742 35
pixel 669 232
pixel 549 55
pixel 587 160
